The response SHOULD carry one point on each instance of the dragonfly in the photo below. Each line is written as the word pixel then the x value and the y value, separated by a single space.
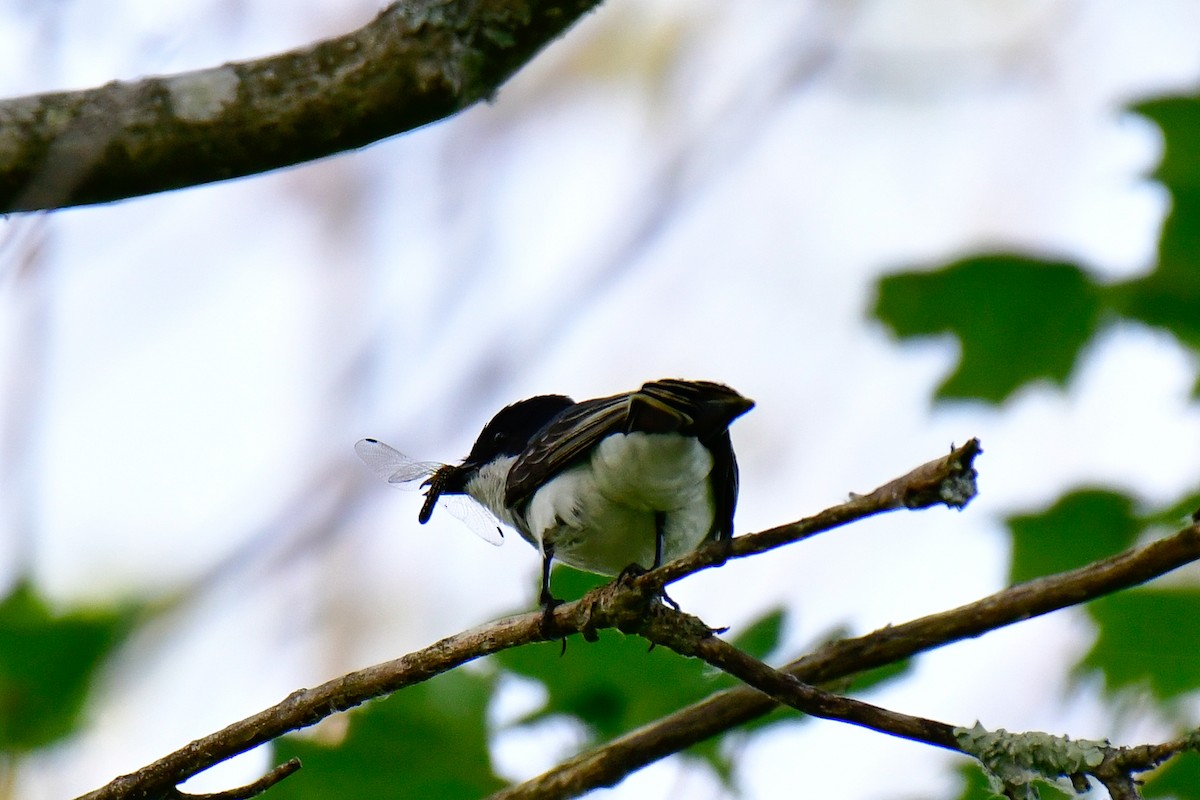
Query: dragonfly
pixel 403 472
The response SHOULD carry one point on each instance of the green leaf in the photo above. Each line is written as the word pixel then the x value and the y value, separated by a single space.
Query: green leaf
pixel 47 661
pixel 425 741
pixel 618 683
pixel 976 786
pixel 614 684
pixel 569 583
pixel 1168 298
pixel 1018 319
pixel 1178 778
pixel 1177 515
pixel 1081 527
pixel 1148 638
pixel 1179 119
pixel 761 637
pixel 864 681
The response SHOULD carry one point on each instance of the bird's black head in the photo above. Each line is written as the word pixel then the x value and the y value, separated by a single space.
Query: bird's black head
pixel 506 435
pixel 511 429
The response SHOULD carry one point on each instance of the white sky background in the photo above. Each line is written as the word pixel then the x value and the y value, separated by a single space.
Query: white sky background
pixel 677 188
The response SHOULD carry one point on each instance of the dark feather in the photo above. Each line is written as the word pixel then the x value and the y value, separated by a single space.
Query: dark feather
pixel 692 408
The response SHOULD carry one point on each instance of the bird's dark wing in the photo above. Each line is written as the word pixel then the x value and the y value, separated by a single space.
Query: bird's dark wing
pixel 563 441
pixel 724 479
pixel 694 408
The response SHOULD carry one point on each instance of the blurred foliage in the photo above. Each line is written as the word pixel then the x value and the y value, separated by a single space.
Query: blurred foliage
pixel 47 662
pixel 977 786
pixel 1080 528
pixel 1169 297
pixel 1150 639
pixel 426 741
pixel 591 683
pixel 431 739
pixel 1019 319
pixel 1147 638
pixel 1178 778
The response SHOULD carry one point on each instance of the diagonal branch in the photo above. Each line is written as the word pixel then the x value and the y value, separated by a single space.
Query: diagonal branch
pixel 1014 760
pixel 417 62
pixel 949 481
pixel 609 763
pixel 624 603
pixel 689 637
pixel 629 602
pixel 259 786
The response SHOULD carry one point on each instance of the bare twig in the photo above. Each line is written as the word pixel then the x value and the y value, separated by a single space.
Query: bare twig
pixel 688 636
pixel 608 764
pixel 949 480
pixel 630 604
pixel 1019 758
pixel 272 777
pixel 622 604
pixel 417 62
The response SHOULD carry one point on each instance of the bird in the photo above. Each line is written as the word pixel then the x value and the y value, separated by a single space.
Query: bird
pixel 628 481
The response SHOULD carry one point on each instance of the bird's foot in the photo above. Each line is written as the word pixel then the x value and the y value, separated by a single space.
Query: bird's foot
pixel 548 627
pixel 634 570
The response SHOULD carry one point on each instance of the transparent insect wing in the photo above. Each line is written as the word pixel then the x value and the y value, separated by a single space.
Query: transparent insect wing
pixel 482 522
pixel 406 473
pixel 393 466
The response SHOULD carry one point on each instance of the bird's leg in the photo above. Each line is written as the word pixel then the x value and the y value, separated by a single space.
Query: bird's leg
pixel 548 601
pixel 725 541
pixel 660 522
pixel 660 532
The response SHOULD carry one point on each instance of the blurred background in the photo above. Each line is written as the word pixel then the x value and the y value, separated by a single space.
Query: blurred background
pixel 676 188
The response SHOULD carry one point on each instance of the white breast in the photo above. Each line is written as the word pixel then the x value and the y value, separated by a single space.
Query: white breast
pixel 600 515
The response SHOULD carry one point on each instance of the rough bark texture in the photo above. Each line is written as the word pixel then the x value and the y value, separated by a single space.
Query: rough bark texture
pixel 417 62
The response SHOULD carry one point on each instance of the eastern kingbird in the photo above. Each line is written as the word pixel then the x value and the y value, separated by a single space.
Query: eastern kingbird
pixel 633 479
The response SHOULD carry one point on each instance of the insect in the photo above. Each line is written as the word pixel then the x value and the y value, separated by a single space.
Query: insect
pixel 403 472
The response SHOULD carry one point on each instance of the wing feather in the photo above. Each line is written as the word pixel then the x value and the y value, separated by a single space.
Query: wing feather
pixel 564 440
pixel 694 408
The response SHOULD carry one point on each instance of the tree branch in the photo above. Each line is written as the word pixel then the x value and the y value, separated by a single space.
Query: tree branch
pixel 623 604
pixel 609 763
pixel 272 777
pixel 687 636
pixel 417 62
pixel 1015 761
pixel 631 604
pixel 948 481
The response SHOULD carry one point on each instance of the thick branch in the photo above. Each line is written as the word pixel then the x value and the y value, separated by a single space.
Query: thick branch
pixel 417 62
pixel 306 707
pixel 622 604
pixel 687 636
pixel 608 764
pixel 1016 760
pixel 629 602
